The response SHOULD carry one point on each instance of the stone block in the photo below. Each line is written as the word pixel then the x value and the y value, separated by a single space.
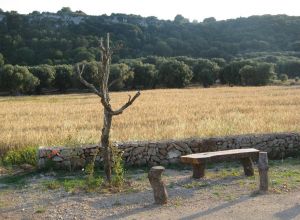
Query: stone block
pixel 77 163
pixel 174 154
pixel 41 163
pixel 57 159
pixel 152 151
pixel 137 150
pixel 163 151
pixel 65 153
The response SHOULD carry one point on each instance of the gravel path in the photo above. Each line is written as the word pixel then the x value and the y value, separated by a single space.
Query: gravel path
pixel 226 201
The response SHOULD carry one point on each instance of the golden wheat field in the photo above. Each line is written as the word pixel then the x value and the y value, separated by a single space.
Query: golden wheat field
pixel 156 114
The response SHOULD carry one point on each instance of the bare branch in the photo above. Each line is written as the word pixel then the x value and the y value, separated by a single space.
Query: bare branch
pixel 127 104
pixel 89 85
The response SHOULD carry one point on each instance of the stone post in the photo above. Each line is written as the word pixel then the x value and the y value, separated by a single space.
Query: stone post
pixel 263 168
pixel 158 186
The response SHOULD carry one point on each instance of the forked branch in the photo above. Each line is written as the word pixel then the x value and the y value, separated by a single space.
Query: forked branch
pixel 82 80
pixel 127 104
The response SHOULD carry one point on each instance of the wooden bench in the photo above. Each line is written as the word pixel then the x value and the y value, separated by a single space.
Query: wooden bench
pixel 199 160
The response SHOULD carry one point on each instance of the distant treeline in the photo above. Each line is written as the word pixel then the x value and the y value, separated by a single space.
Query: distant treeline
pixel 151 72
pixel 39 51
pixel 68 37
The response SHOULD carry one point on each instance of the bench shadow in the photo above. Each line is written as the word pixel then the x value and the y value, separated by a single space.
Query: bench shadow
pixel 288 214
pixel 215 209
pixel 208 183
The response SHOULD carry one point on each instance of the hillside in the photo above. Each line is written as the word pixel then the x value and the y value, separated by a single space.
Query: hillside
pixel 69 37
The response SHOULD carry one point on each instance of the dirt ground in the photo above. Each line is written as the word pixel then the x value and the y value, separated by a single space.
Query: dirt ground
pixel 221 195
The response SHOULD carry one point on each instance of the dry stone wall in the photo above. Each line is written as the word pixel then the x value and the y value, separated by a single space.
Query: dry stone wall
pixel 278 145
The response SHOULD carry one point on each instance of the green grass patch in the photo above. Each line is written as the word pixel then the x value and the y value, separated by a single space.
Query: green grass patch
pixel 40 210
pixel 75 183
pixel 27 155
pixel 17 180
pixel 195 184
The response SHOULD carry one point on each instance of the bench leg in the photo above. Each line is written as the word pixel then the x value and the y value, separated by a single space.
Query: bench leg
pixel 198 171
pixel 248 166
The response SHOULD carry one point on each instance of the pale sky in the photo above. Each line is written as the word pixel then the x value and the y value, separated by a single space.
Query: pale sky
pixel 162 9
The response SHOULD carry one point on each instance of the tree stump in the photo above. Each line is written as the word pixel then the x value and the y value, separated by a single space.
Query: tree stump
pixel 263 168
pixel 158 186
pixel 248 166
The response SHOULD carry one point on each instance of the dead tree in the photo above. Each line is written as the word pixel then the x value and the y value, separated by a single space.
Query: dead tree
pixel 102 90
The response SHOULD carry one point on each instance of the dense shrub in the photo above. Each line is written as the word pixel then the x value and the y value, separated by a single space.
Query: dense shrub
pixel 205 72
pixel 63 77
pixel 230 74
pixel 121 76
pixel 46 75
pixel 283 77
pixel 145 76
pixel 17 79
pixel 174 74
pixel 258 74
pixel 26 155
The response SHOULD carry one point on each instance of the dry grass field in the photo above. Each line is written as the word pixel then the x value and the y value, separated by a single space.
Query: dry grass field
pixel 157 114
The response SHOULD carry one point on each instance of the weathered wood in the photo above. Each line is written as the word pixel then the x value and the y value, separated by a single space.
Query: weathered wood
pixel 107 154
pixel 263 168
pixel 248 166
pixel 198 170
pixel 199 160
pixel 219 156
pixel 158 186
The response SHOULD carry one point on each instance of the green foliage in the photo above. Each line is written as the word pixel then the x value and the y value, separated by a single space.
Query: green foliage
pixel 52 185
pixel 24 56
pixel 257 75
pixel 83 54
pixel 78 183
pixel 22 156
pixel 289 67
pixel 63 77
pixel 38 38
pixel 1 60
pixel 90 73
pixel 179 19
pixel 283 77
pixel 175 74
pixel 121 76
pixel 145 76
pixel 230 74
pixel 46 75
pixel 208 20
pixel 118 168
pixel 17 79
pixel 205 72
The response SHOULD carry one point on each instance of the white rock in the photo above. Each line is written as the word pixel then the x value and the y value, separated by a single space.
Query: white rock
pixel 174 154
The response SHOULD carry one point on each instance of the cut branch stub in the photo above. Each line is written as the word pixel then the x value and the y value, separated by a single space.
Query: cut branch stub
pixel 158 186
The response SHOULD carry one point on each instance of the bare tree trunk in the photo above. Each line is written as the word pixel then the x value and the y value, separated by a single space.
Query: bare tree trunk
pixel 106 145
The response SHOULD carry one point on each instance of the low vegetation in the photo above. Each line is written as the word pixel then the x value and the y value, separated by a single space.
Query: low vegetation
pixel 221 180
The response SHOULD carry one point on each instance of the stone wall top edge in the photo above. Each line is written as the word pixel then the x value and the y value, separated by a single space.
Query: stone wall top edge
pixel 191 139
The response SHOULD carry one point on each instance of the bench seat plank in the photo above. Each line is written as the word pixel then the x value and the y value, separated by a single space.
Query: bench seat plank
pixel 216 156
